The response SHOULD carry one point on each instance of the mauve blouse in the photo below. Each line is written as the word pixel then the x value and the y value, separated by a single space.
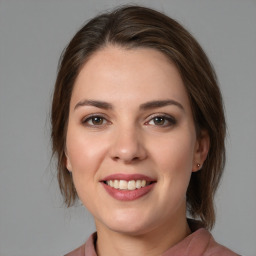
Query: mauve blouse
pixel 199 243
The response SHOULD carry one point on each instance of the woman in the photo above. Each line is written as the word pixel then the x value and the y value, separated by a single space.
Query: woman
pixel 138 129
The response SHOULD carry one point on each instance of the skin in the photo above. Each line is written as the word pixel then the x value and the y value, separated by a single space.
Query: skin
pixel 127 138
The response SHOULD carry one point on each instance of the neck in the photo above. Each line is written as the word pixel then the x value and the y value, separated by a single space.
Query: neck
pixel 152 243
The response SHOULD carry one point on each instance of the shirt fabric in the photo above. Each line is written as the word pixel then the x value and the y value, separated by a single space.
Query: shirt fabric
pixel 199 243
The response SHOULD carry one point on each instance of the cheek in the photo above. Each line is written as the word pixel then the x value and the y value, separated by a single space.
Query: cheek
pixel 174 160
pixel 85 153
pixel 175 153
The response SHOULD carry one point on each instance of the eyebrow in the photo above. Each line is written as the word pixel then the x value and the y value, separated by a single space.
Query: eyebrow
pixel 159 104
pixel 94 103
pixel 144 106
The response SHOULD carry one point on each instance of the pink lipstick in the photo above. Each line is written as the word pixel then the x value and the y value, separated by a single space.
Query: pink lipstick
pixel 127 187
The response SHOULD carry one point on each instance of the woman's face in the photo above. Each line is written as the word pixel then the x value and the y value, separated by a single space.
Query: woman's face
pixel 131 143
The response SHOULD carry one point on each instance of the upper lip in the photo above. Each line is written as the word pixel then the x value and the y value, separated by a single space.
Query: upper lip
pixel 127 177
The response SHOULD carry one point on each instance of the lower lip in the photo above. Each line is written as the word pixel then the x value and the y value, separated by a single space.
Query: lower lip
pixel 128 195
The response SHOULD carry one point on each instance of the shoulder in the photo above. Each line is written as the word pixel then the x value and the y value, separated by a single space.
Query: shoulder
pixel 202 241
pixel 87 249
pixel 216 249
pixel 77 252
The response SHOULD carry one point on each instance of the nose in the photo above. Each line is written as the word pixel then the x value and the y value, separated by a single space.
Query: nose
pixel 128 146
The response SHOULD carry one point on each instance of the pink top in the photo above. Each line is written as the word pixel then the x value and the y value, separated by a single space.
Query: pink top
pixel 198 243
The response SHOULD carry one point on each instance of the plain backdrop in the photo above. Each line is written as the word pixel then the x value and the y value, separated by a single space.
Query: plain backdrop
pixel 33 220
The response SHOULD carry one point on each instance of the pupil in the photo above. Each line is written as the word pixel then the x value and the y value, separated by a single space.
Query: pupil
pixel 159 120
pixel 97 120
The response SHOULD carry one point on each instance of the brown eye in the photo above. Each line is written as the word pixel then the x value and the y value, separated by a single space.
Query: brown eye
pixel 159 120
pixel 163 121
pixel 95 121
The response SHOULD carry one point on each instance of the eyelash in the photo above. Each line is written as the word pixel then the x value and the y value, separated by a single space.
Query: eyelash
pixel 169 119
pixel 90 118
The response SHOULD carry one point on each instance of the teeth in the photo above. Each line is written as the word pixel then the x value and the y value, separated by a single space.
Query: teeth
pixel 123 184
pixel 116 184
pixel 127 185
pixel 131 185
pixel 138 184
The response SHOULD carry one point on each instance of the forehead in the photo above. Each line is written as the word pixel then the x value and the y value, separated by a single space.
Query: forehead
pixel 140 74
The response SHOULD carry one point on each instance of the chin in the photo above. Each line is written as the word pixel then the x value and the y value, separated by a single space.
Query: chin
pixel 131 230
pixel 129 223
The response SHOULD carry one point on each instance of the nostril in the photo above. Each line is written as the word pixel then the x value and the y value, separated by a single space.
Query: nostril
pixel 126 159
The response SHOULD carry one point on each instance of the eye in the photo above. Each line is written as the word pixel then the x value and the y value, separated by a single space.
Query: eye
pixel 94 121
pixel 162 120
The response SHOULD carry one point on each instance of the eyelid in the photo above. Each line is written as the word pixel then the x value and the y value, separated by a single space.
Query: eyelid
pixel 85 119
pixel 172 120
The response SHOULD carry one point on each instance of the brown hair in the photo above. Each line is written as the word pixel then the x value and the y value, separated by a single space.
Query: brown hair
pixel 133 27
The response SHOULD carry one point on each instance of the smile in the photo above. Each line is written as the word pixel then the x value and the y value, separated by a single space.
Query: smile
pixel 127 185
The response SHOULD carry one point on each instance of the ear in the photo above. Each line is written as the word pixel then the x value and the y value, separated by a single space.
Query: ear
pixel 68 163
pixel 201 150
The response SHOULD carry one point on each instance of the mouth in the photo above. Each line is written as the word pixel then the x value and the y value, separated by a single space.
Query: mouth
pixel 128 185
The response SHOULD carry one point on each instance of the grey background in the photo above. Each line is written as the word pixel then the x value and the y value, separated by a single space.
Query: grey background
pixel 33 220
